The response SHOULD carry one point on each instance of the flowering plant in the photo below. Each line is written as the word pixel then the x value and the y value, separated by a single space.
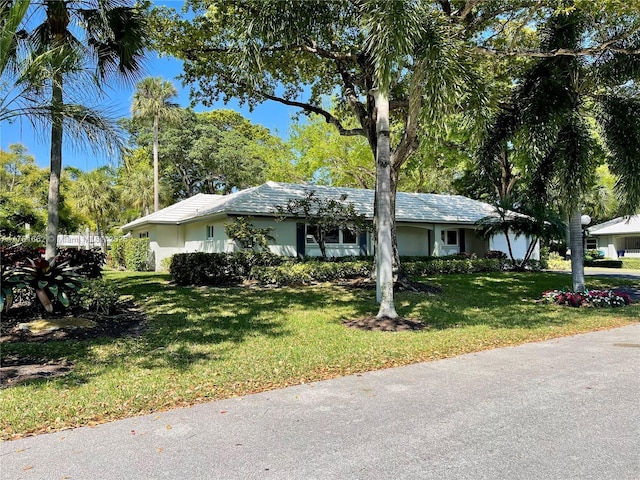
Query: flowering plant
pixel 593 298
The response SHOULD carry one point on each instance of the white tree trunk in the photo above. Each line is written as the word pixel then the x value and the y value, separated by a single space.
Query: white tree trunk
pixel 577 251
pixel 384 257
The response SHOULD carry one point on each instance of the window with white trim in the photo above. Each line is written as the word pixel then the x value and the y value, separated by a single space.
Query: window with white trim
pixel 592 243
pixel 335 236
pixel 143 235
pixel 449 237
pixel 210 231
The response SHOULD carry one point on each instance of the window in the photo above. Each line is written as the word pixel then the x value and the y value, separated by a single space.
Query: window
pixel 449 237
pixel 210 231
pixel 333 236
pixel 349 237
pixel 592 243
pixel 143 235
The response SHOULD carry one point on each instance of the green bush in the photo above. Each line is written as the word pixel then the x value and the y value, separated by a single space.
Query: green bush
pixel 136 254
pixel 98 295
pixel 201 268
pixel 310 271
pixel 603 263
pixel 117 253
pixel 436 265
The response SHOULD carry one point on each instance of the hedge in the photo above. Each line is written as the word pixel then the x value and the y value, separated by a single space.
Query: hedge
pixel 131 254
pixel 311 271
pixel 201 268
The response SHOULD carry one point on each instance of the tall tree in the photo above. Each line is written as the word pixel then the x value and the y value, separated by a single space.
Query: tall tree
pixel 552 117
pixel 152 100
pixel 381 58
pixel 79 43
pixel 95 195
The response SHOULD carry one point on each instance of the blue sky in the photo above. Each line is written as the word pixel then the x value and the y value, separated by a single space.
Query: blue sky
pixel 274 116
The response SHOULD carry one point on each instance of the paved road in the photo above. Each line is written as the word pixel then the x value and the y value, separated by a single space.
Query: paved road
pixel 562 409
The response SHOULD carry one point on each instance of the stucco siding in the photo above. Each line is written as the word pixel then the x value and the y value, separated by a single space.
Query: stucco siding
pixel 518 246
pixel 413 241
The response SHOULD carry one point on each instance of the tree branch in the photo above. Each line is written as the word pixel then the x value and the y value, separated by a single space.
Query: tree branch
pixel 466 10
pixel 329 118
pixel 583 52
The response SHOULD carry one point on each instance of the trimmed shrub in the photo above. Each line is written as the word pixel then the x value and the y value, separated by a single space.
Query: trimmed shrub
pixel 310 271
pixel 436 265
pixel 603 263
pixel 136 254
pixel 117 253
pixel 201 268
pixel 99 296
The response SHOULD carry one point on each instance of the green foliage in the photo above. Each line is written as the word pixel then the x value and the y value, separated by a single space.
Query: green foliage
pixel 98 295
pixel 131 254
pixel 436 266
pixel 53 281
pixel 88 263
pixel 117 252
pixel 248 236
pixel 311 271
pixel 603 263
pixel 201 268
pixel 136 254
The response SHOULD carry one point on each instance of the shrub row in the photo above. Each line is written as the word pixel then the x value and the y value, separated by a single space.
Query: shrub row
pixel 436 266
pixel 311 271
pixel 229 268
pixel 201 268
pixel 632 263
pixel 603 263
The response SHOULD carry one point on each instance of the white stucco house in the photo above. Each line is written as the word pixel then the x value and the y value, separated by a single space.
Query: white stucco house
pixel 616 238
pixel 427 224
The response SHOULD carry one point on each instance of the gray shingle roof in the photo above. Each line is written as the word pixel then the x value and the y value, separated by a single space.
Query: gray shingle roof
pixel 261 200
pixel 620 225
pixel 176 212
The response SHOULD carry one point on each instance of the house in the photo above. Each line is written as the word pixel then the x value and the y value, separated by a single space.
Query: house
pixel 616 238
pixel 427 224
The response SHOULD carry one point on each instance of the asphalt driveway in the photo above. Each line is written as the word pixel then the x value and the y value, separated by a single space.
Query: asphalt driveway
pixel 562 409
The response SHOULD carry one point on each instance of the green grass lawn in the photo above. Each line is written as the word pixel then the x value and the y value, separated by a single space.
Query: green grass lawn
pixel 210 343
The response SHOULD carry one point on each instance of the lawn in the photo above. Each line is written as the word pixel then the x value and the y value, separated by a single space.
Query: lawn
pixel 203 344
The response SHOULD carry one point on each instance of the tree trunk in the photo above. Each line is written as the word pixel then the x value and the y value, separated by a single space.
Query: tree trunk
pixel 156 176
pixel 577 251
pixel 384 258
pixel 53 204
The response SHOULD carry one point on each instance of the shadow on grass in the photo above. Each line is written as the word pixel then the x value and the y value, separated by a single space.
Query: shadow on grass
pixel 506 300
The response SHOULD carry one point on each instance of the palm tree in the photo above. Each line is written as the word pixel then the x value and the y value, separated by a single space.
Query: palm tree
pixel 151 101
pixel 95 195
pixel 552 113
pixel 136 183
pixel 112 45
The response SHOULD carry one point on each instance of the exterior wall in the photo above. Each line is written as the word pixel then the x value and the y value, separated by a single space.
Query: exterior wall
pixel 413 240
pixel 440 248
pixel 475 244
pixel 167 240
pixel 518 246
pixel 614 245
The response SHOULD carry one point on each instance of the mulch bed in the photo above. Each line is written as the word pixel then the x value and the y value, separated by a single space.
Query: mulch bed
pixel 385 324
pixel 125 320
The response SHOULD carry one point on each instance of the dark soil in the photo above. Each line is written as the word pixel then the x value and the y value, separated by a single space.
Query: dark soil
pixel 385 324
pixel 125 320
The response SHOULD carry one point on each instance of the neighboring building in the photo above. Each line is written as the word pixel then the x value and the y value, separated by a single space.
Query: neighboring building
pixel 427 224
pixel 619 237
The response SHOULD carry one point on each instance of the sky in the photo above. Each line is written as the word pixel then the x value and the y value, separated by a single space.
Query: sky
pixel 274 116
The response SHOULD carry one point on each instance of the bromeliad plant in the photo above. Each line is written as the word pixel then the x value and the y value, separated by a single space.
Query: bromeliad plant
pixel 592 298
pixel 10 281
pixel 52 281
